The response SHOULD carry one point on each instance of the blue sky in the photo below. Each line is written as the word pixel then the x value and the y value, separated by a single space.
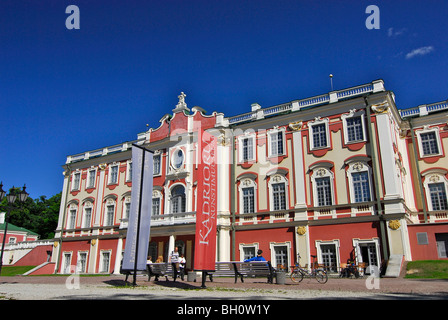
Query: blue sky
pixel 64 91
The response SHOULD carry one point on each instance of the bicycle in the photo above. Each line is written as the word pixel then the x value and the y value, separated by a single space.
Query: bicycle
pixel 298 272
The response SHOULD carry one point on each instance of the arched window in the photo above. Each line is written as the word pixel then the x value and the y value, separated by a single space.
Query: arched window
pixel 278 192
pixel 178 199
pixel 87 214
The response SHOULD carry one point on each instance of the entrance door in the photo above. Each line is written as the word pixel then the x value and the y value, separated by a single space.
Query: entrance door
pixel 369 255
pixel 329 256
pixel 442 244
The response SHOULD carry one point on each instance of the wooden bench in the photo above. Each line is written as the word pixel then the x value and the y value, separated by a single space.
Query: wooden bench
pixel 163 269
pixel 240 270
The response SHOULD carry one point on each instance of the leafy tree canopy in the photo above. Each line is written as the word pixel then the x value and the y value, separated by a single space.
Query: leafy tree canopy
pixel 39 215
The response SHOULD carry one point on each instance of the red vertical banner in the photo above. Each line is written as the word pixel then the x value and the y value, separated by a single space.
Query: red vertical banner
pixel 207 204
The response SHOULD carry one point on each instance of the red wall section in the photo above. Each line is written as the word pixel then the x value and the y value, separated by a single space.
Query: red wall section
pixel 425 251
pixel 345 233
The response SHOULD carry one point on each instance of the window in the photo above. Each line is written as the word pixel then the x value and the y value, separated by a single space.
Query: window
pixel 429 143
pixel 156 164
pixel 113 174
pixel 319 135
pixel 354 129
pixel 155 206
pixel 278 191
pixel 129 171
pixel 12 240
pixel 280 254
pixel 87 215
pixel 177 159
pixel 323 189
pixel 109 216
pixel 67 262
pixel 248 149
pixel 322 181
pixel 328 254
pixel 436 188
pixel 438 196
pixel 353 124
pixel 105 261
pixel 248 253
pixel 248 200
pixel 91 177
pixel 76 180
pixel 329 260
pixel 72 219
pixel 247 190
pixel 422 238
pixel 156 202
pixel 359 178
pixel 276 142
pixel 178 199
pixel 361 186
pixel 278 195
pixel 126 207
pixel 82 262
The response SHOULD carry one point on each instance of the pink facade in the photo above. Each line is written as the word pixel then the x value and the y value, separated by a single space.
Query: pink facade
pixel 344 175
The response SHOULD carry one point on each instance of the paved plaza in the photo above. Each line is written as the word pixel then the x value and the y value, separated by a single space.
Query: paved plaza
pixel 114 287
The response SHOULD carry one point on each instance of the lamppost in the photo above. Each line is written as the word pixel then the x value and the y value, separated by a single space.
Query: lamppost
pixel 11 197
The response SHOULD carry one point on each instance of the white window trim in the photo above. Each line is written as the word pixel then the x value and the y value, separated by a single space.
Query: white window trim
pixel 87 204
pixel 101 266
pixel 431 177
pixel 247 183
pixel 319 121
pixel 76 187
pixel 358 242
pixel 126 200
pixel 322 172
pixel 71 207
pixel 128 171
pixel 168 198
pixel 318 243
pixel 353 114
pixel 357 167
pixel 91 171
pixel 272 246
pixel 109 179
pixel 276 130
pixel 173 151
pixel 255 245
pixel 109 202
pixel 275 179
pixel 66 267
pixel 247 135
pixel 78 261
pixel 426 129
pixel 156 194
pixel 158 153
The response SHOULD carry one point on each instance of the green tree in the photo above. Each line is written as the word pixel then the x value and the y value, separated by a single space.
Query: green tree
pixel 39 215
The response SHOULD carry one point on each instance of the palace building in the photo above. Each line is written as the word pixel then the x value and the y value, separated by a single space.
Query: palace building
pixel 343 175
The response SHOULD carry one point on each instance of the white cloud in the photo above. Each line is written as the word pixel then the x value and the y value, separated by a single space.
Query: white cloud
pixel 395 33
pixel 420 52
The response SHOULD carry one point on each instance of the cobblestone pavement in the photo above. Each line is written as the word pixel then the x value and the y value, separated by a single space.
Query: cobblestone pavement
pixel 114 287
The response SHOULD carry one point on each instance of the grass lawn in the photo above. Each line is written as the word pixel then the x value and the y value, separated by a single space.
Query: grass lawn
pixel 14 271
pixel 427 269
